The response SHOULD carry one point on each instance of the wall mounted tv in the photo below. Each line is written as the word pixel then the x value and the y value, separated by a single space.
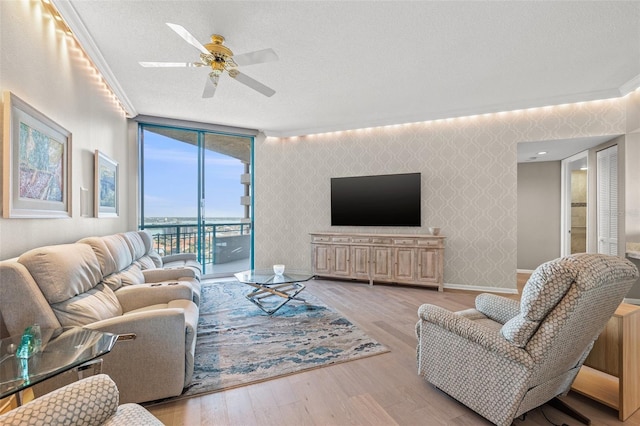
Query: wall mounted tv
pixel 383 200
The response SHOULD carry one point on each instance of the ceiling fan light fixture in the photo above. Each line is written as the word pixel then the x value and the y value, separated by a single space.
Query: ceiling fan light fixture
pixel 220 59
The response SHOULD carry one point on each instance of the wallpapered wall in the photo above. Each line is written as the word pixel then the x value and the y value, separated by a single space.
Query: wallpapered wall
pixel 469 187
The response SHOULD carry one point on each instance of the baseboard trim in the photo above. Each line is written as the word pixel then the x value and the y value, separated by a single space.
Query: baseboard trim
pixel 632 301
pixel 524 271
pixel 481 289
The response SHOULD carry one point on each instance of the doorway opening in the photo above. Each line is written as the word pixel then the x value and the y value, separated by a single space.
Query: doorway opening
pixel 575 235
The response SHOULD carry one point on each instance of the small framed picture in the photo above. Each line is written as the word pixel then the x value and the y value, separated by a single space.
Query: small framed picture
pixel 106 186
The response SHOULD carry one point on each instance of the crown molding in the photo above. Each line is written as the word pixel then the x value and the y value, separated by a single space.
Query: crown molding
pixel 630 85
pixel 186 124
pixel 83 36
pixel 452 114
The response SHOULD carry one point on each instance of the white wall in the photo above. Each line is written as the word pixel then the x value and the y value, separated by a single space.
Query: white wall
pixel 632 171
pixel 632 179
pixel 539 200
pixel 468 166
pixel 45 69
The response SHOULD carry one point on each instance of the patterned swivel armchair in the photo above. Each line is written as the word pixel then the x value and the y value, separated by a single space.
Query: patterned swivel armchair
pixel 505 357
pixel 92 401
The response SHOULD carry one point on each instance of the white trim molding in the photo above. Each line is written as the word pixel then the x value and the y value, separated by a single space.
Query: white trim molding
pixel 481 289
pixel 83 36
pixel 630 85
pixel 186 124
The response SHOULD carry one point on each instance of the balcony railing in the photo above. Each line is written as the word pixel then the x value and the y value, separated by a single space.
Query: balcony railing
pixel 222 242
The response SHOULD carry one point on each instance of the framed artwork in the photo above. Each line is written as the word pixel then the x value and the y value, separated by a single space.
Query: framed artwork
pixel 106 186
pixel 36 163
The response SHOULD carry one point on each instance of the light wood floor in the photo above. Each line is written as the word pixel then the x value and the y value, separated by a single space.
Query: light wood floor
pixel 380 390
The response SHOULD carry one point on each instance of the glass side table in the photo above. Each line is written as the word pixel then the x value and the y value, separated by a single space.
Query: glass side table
pixel 267 286
pixel 62 349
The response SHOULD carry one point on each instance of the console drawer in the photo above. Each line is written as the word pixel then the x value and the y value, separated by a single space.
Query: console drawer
pixel 320 239
pixel 381 240
pixel 340 240
pixel 404 242
pixel 430 243
pixel 361 240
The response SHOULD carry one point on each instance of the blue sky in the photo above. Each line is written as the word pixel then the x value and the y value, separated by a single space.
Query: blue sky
pixel 170 179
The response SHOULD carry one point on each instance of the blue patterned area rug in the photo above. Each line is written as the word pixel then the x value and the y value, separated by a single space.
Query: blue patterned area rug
pixel 239 344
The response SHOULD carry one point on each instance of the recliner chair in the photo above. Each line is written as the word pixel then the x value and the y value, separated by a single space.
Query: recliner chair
pixel 91 401
pixel 505 358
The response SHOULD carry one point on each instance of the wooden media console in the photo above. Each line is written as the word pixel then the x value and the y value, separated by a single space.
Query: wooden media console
pixel 389 258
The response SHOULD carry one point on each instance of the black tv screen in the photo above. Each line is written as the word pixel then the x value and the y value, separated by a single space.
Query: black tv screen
pixel 383 200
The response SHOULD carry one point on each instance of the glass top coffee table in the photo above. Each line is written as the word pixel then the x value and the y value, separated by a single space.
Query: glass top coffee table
pixel 271 291
pixel 62 349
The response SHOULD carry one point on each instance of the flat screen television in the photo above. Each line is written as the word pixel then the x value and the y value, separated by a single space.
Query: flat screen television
pixel 382 200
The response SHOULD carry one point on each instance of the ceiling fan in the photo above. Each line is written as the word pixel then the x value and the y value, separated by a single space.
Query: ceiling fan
pixel 220 58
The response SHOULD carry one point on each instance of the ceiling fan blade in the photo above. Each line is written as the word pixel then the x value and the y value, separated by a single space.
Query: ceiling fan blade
pixel 257 57
pixel 254 84
pixel 170 64
pixel 186 35
pixel 210 86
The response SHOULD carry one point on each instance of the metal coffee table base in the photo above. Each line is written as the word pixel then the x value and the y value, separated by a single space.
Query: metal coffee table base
pixel 263 293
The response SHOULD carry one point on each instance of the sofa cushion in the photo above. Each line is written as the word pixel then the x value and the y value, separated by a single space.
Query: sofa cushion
pixel 120 251
pixel 115 253
pixel 129 276
pixel 97 304
pixel 63 271
pixel 146 262
pixel 132 275
pixel 113 281
pixel 107 263
pixel 185 263
pixel 135 243
pixel 147 239
pixel 141 249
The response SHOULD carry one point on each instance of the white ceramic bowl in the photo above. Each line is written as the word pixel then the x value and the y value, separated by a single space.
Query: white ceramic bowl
pixel 278 269
pixel 434 231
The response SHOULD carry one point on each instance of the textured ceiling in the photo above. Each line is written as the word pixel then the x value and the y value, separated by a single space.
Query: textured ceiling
pixel 353 64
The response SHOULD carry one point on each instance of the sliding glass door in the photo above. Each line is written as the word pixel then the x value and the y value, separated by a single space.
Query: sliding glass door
pixel 196 195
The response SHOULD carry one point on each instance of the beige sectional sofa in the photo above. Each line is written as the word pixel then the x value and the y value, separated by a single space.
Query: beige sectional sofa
pixel 112 284
pixel 129 259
